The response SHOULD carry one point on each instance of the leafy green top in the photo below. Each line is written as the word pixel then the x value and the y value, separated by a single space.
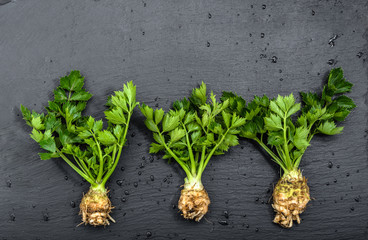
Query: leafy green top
pixel 193 130
pixel 288 139
pixel 64 132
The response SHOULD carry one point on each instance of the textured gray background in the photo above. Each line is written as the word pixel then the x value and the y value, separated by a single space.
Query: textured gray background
pixel 167 48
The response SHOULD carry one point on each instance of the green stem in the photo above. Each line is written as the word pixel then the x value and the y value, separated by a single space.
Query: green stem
pixel 111 170
pixel 191 156
pixel 181 163
pixel 203 157
pixel 76 168
pixel 272 154
pixel 86 168
pixel 100 171
pixel 210 155
pixel 286 149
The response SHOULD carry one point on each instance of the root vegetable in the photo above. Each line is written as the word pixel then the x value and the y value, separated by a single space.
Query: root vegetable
pixel 81 141
pixel 270 123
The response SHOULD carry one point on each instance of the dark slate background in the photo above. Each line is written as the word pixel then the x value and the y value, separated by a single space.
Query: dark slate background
pixel 167 48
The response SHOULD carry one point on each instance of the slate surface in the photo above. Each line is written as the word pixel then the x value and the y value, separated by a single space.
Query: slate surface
pixel 167 48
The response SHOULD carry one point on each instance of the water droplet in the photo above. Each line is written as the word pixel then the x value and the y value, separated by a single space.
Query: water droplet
pixel 150 159
pixel 165 179
pixel 143 33
pixel 330 164
pixel 331 41
pixel 12 217
pixel 223 222
pixel 122 169
pixel 133 134
pixel 257 199
pixel 281 79
pixel 209 15
pixel 313 13
pixel 274 59
pixel 45 217
pixel 347 174
pixel 152 178
pixel 135 184
pixel 119 182
pixel 261 56
pixel 262 35
pixel 208 44
pixel 359 54
pixel 335 180
pixel 352 208
pixel 139 173
pixel 123 200
pixel 126 192
pixel 72 204
pixel 257 230
pixel 247 226
pixel 173 206
pixel 148 234
pixel 66 178
pixel 280 71
pixel 8 183
pixel 332 62
pixel 141 165
pixel 337 166
pixel 264 6
pixel 226 214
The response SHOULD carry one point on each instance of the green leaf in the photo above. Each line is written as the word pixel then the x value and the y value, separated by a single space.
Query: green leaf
pixel 48 144
pixel 47 156
pixel 226 117
pixel 199 96
pixel 300 138
pixel 106 138
pixel 276 109
pixel 155 148
pixel 310 99
pixel 115 116
pixel 84 134
pixel 36 135
pixel 275 138
pixel 345 102
pixel 237 121
pixel 231 140
pixel 119 101
pixel 215 128
pixel 159 114
pixel 273 122
pixel 130 92
pixel 118 131
pixel 151 125
pixel 37 123
pixel 81 95
pixel 147 111
pixel 60 95
pixel 169 123
pixel 293 109
pixel 73 82
pixel 337 82
pixel 329 128
pixel 97 126
pixel 176 135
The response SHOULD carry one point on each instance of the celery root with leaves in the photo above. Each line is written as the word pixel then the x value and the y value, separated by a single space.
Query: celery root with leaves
pixel 81 141
pixel 191 133
pixel 272 124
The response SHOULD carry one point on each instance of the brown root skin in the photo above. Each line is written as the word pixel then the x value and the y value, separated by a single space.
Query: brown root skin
pixel 290 198
pixel 95 208
pixel 194 202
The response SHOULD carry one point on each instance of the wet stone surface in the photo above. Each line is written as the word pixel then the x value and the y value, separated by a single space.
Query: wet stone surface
pixel 167 48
